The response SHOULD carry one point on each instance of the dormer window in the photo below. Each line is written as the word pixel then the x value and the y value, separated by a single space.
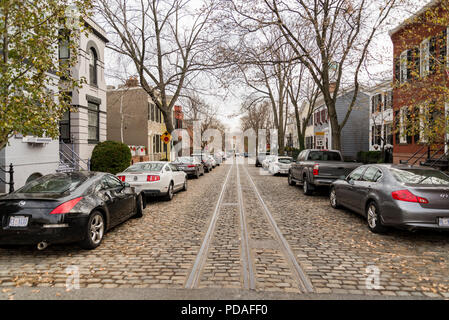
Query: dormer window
pixel 93 58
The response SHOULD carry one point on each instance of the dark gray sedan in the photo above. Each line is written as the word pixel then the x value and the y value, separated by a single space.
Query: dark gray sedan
pixel 395 195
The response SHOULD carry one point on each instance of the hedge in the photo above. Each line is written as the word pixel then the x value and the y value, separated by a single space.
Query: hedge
pixel 110 156
pixel 369 157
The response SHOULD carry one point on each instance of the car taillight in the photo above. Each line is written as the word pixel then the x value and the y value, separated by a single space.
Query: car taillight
pixel 122 178
pixel 191 166
pixel 153 178
pixel 405 195
pixel 316 169
pixel 66 206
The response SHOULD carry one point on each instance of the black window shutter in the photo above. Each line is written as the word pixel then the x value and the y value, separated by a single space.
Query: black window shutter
pixel 397 69
pixel 443 47
pixel 409 64
pixel 416 61
pixel 432 54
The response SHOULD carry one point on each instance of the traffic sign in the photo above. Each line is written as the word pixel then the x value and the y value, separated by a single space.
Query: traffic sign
pixel 166 137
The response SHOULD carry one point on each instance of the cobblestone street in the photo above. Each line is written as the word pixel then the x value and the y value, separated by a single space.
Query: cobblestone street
pixel 238 227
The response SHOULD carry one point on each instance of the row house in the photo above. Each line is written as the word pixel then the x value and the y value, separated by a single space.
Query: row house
pixel 80 129
pixel 381 116
pixel 420 84
pixel 355 134
pixel 134 119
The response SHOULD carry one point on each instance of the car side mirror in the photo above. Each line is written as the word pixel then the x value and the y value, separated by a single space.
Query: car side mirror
pixel 350 181
pixel 126 185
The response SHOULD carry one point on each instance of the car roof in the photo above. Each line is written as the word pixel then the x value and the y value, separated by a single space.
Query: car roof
pixel 400 166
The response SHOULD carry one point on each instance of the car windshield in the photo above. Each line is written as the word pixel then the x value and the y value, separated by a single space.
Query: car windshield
pixel 285 160
pixel 420 176
pixel 54 183
pixel 324 156
pixel 138 167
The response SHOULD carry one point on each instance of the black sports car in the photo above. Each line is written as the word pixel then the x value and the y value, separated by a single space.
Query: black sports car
pixel 67 207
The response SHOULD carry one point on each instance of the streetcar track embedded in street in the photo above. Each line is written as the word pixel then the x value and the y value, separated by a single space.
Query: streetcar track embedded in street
pixel 303 281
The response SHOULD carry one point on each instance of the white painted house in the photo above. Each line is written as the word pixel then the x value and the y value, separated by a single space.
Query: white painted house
pixel 381 116
pixel 80 130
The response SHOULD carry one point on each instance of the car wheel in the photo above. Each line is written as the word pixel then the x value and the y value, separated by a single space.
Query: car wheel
pixel 169 195
pixel 333 199
pixel 94 231
pixel 290 179
pixel 306 187
pixel 373 218
pixel 185 185
pixel 139 206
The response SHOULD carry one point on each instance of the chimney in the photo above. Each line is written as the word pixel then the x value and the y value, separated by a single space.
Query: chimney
pixel 132 82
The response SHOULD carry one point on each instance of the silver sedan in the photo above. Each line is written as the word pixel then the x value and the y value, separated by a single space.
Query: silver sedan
pixel 395 195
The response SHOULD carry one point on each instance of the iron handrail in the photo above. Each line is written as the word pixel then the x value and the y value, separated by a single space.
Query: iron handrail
pixel 74 156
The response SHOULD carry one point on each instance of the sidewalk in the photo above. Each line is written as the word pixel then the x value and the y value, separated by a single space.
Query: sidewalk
pixel 173 294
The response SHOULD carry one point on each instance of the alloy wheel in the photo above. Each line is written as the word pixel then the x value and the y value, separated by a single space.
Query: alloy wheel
pixel 372 216
pixel 97 229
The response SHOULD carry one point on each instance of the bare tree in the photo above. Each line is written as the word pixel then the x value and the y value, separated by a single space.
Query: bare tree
pixel 256 116
pixel 166 42
pixel 340 34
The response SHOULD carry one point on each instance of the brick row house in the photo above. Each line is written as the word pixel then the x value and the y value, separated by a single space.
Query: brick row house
pixel 133 119
pixel 420 100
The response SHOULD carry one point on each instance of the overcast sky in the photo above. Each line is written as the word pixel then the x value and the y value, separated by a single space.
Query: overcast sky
pixel 228 104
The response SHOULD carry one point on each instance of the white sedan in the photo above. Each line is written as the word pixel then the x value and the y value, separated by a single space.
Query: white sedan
pixel 155 178
pixel 280 165
pixel 266 162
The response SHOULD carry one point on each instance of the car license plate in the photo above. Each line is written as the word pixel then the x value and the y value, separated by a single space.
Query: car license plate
pixel 18 221
pixel 444 222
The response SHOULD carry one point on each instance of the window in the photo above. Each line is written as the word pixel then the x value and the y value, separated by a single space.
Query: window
pixel 64 127
pixel 376 103
pixel 372 174
pixel 150 111
pixel 64 49
pixel 93 61
pixel 404 64
pixel 93 119
pixel 376 135
pixel 157 148
pixel 433 55
pixel 111 182
pixel 425 58
pixel 324 156
pixel 388 133
pixel 442 44
pixel 388 99
pixel 356 174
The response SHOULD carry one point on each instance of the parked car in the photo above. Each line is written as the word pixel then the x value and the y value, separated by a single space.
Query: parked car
pixel 155 178
pixel 280 165
pixel 314 168
pixel 190 165
pixel 395 195
pixel 267 160
pixel 260 158
pixel 218 158
pixel 67 207
pixel 213 161
pixel 205 160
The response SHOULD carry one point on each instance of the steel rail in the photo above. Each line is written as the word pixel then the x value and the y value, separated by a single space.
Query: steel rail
pixel 303 281
pixel 194 277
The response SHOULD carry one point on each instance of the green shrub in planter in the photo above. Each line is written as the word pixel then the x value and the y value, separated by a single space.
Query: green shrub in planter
pixel 110 156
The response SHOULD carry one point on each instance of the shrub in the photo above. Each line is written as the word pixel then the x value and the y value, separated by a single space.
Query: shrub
pixel 110 156
pixel 369 157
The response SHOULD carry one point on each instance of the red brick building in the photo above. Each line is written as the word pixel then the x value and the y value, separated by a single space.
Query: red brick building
pixel 420 80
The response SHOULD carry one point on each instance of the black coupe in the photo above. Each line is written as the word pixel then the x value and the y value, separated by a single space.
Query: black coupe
pixel 67 207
